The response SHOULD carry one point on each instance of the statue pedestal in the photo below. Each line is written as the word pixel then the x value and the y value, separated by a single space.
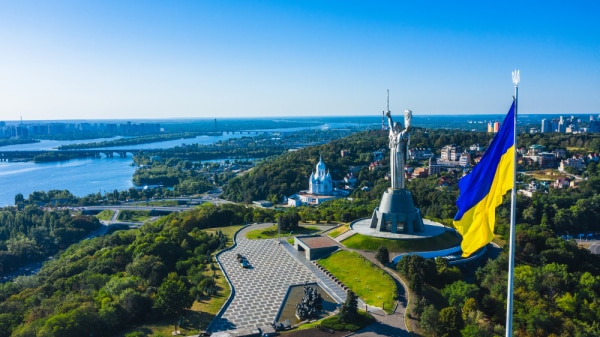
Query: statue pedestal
pixel 397 213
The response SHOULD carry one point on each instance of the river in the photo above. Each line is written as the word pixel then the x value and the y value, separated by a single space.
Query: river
pixel 80 176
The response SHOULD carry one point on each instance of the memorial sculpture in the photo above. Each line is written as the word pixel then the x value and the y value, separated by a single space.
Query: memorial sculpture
pixel 399 140
pixel 396 212
pixel 310 305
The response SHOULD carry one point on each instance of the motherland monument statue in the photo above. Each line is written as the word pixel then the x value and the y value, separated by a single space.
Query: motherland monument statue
pixel 396 212
pixel 398 148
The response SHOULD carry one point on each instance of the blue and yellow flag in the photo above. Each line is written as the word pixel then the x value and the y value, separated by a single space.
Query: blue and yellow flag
pixel 482 189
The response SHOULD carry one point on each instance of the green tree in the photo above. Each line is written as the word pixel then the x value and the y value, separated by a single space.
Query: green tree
pixel 450 322
pixel 473 330
pixel 429 319
pixel 172 297
pixel 458 292
pixel 19 199
pixel 288 221
pixel 383 255
pixel 7 322
pixel 149 267
pixel 135 305
pixel 349 310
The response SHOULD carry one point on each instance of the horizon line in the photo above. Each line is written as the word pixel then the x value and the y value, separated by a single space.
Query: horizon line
pixel 274 116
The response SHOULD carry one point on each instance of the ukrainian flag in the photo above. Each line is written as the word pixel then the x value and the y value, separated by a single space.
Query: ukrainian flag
pixel 482 189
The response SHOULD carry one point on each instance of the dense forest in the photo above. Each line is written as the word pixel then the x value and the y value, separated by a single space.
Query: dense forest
pixel 103 285
pixel 287 174
pixel 556 291
pixel 32 234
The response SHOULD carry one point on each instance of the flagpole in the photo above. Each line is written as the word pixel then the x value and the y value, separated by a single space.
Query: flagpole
pixel 513 216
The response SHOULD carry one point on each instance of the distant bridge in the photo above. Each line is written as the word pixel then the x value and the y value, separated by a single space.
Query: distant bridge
pixel 54 155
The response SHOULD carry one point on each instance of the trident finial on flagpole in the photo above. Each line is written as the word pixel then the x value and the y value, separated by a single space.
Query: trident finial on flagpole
pixel 516 77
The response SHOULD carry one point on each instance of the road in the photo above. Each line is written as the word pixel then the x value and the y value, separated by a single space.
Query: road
pixel 144 206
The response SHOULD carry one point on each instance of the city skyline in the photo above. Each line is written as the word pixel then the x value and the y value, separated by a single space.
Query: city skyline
pixel 70 60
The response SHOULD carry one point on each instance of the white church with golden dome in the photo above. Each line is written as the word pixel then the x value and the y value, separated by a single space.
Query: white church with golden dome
pixel 320 188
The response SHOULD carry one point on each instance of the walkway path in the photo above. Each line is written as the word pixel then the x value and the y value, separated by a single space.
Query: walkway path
pixel 115 215
pixel 344 235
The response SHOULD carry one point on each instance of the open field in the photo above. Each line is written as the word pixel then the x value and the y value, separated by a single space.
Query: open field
pixel 134 216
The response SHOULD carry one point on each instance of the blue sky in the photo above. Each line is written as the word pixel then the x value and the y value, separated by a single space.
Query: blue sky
pixel 181 59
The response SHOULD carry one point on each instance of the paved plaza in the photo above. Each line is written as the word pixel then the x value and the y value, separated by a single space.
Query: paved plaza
pixel 260 290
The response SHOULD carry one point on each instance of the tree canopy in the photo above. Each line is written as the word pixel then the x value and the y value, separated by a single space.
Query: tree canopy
pixel 103 285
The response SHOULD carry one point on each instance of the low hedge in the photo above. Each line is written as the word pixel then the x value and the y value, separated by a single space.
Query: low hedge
pixel 334 323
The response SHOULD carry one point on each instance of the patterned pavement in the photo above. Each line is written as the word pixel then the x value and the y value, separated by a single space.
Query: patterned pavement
pixel 259 290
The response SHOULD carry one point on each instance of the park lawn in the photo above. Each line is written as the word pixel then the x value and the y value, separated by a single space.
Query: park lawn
pixel 338 231
pixel 271 232
pixel 364 242
pixel 134 216
pixel 229 231
pixel 105 215
pixel 204 310
pixel 369 282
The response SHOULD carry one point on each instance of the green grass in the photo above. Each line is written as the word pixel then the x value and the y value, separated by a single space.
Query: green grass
pixel 134 216
pixel 229 231
pixel 271 232
pixel 369 282
pixel 363 242
pixel 334 323
pixel 105 215
pixel 338 231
